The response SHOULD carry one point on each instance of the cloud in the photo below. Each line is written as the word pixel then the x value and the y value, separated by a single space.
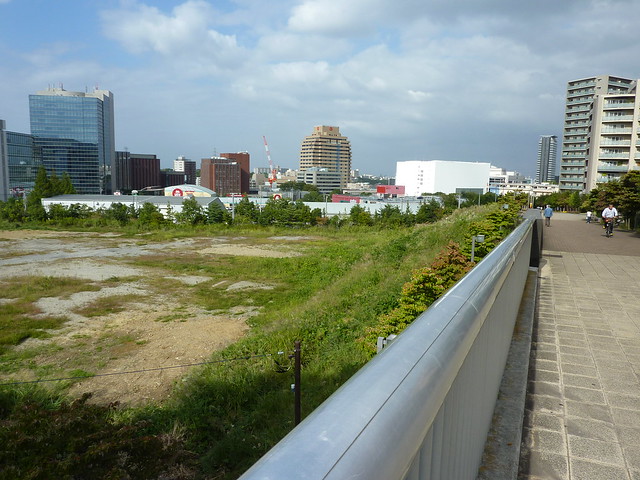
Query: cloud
pixel 336 17
pixel 182 38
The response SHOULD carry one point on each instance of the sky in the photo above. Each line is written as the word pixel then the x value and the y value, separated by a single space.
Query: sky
pixel 459 80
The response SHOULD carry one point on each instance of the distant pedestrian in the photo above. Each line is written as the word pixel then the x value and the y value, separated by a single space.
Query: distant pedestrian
pixel 589 213
pixel 548 213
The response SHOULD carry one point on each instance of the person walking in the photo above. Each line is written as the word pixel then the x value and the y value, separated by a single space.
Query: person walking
pixel 609 215
pixel 589 213
pixel 548 213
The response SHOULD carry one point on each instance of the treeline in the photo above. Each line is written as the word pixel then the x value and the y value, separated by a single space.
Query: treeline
pixel 280 212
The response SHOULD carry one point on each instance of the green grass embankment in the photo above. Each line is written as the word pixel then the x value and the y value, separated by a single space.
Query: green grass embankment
pixel 227 414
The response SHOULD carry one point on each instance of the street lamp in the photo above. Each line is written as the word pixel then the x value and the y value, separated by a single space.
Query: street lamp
pixel 474 239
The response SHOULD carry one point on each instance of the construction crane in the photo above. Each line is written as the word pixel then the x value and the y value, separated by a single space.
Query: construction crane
pixel 272 171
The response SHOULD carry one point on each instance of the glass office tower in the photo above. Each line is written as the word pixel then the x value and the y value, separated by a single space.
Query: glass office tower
pixel 24 162
pixel 74 133
pixel 4 164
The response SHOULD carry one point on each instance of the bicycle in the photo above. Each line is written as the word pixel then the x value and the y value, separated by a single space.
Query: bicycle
pixel 608 227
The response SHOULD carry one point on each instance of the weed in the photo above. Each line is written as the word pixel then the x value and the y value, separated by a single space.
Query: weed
pixel 107 305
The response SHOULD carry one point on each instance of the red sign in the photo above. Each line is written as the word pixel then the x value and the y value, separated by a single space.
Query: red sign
pixel 176 192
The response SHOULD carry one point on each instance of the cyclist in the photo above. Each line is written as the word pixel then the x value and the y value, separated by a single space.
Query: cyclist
pixel 609 215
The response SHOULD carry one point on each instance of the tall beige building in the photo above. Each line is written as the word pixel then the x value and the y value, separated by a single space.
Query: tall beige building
pixel 601 141
pixel 326 150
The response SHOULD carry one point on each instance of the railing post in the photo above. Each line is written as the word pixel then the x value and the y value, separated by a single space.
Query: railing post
pixel 296 356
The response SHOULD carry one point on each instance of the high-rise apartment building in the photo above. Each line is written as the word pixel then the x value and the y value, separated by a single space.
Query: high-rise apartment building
pixel 188 167
pixel 74 133
pixel 600 141
pixel 326 149
pixel 546 165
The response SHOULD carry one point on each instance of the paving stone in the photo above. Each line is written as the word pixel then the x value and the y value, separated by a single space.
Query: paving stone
pixel 584 470
pixel 585 395
pixel 588 428
pixel 596 450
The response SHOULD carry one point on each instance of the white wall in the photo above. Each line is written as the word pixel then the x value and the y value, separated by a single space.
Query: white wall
pixel 433 176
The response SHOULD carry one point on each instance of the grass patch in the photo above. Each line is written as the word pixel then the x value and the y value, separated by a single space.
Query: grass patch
pixel 32 288
pixel 19 321
pixel 107 305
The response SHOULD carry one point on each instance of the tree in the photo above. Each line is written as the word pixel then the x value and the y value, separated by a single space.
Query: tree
pixel 624 194
pixel 246 211
pixel 574 200
pixel 216 213
pixel 12 210
pixel 360 216
pixel 150 216
pixel 629 200
pixel 119 212
pixel 66 186
pixel 389 216
pixel 429 212
pixel 283 211
pixel 42 185
pixel 314 196
pixel 192 213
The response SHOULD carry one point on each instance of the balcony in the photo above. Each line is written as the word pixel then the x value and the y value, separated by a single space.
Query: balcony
pixel 576 109
pixel 576 124
pixel 627 131
pixel 622 155
pixel 615 143
pixel 612 167
pixel 617 118
pixel 571 186
pixel 607 178
pixel 567 178
pixel 616 106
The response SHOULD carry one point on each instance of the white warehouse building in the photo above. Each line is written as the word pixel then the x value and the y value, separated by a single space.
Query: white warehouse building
pixel 432 176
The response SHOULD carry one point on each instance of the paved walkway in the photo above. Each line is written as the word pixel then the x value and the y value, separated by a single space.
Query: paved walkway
pixel 582 418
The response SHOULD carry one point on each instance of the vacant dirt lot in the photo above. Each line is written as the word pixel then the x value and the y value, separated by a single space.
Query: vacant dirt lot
pixel 156 331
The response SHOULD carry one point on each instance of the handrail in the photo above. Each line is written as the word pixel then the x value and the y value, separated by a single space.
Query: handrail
pixel 422 407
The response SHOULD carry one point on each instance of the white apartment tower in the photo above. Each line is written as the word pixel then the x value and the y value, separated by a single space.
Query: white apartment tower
pixel 546 165
pixel 601 141
pixel 326 150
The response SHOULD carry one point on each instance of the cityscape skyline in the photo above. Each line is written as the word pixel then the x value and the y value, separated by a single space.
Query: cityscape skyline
pixel 421 81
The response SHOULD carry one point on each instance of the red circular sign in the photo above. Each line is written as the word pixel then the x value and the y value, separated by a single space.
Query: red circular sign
pixel 277 196
pixel 176 192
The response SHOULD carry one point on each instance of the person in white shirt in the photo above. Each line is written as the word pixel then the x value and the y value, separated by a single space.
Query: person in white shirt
pixel 589 216
pixel 609 214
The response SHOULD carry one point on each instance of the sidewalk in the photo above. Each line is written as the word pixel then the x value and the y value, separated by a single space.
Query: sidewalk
pixel 582 418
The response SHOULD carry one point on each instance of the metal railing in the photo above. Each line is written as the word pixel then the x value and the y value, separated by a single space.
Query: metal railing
pixel 421 409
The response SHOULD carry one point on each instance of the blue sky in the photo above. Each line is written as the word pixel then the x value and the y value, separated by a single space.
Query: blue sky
pixel 465 80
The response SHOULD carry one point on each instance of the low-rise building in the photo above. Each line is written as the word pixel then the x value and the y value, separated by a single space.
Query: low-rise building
pixel 165 204
pixel 433 176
